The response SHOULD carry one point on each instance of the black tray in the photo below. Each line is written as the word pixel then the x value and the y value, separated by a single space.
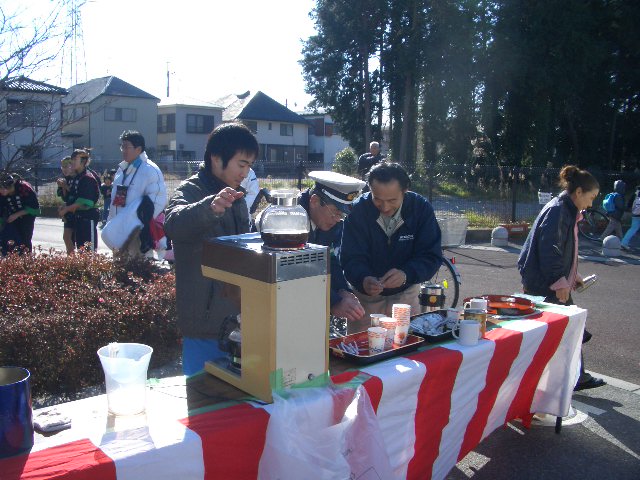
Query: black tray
pixel 443 337
pixel 362 340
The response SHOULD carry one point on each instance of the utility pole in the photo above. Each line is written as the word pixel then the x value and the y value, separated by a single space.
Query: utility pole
pixel 167 79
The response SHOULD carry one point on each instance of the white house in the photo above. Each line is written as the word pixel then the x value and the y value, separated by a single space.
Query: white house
pixel 30 124
pixel 98 111
pixel 324 139
pixel 282 134
pixel 183 128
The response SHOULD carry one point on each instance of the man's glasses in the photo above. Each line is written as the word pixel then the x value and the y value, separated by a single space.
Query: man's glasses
pixel 334 213
pixel 125 147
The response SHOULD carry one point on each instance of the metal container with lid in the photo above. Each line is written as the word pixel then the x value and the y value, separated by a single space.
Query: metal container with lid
pixel 284 224
pixel 431 297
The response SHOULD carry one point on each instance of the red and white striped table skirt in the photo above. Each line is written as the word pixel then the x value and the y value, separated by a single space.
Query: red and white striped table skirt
pixel 433 408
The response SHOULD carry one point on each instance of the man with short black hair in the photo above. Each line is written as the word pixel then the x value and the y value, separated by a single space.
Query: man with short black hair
pixel 209 204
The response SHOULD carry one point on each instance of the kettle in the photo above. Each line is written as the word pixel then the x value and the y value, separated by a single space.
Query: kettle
pixel 284 225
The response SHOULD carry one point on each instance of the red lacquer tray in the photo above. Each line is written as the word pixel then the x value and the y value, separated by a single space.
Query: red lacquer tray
pixel 507 305
pixel 363 357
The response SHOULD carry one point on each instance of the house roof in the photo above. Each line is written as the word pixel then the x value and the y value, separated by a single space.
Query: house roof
pixel 187 102
pixel 109 86
pixel 24 84
pixel 258 106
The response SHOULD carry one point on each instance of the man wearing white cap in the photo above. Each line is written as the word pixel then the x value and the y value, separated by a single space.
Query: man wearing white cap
pixel 327 203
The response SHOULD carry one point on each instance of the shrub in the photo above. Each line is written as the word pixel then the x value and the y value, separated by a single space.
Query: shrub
pixel 57 310
pixel 346 162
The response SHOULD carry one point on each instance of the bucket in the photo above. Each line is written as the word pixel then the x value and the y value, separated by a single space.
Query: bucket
pixel 125 373
pixel 16 422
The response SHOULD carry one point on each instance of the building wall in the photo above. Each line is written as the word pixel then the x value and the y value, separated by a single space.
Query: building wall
pixel 103 136
pixel 180 140
pixel 324 140
pixel 49 138
pixel 272 136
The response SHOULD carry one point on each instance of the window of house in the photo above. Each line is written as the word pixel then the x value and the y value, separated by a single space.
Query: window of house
pixel 269 125
pixel 251 125
pixel 200 123
pixel 167 123
pixel 286 129
pixel 71 114
pixel 27 113
pixel 114 114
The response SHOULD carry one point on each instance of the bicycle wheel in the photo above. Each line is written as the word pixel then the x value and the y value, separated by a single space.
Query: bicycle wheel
pixel 593 224
pixel 448 276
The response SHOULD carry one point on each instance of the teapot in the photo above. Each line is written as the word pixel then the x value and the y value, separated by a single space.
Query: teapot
pixel 284 225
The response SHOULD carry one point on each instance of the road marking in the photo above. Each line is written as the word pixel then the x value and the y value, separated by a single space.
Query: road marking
pixel 617 383
pixel 583 407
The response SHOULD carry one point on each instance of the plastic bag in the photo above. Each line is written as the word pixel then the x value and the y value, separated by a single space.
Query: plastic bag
pixel 327 433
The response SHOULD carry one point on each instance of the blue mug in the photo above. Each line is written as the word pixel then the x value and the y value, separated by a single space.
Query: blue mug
pixel 16 422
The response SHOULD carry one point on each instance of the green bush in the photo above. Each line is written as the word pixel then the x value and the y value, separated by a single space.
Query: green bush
pixel 346 162
pixel 57 310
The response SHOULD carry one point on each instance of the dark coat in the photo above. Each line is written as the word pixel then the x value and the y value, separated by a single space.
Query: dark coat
pixel 189 221
pixel 414 248
pixel 548 252
pixel 332 239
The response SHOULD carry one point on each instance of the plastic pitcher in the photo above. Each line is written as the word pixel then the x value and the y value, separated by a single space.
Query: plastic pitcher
pixel 125 373
pixel 16 422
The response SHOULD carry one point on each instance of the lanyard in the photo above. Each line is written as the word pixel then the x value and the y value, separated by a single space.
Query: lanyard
pixel 124 174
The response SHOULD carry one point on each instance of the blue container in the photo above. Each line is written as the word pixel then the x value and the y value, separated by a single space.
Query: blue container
pixel 16 422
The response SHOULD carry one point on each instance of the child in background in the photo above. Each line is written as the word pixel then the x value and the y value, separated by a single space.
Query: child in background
pixel 63 193
pixel 105 189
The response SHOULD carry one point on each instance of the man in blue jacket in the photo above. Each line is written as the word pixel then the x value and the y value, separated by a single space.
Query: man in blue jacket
pixel 390 243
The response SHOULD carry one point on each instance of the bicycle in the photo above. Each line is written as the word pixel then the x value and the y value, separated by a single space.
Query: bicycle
pixel 450 280
pixel 593 223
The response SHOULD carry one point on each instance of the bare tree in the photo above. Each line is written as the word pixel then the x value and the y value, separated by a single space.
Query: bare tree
pixel 31 116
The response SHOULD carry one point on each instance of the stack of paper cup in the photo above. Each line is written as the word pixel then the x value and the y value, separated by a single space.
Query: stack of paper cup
pixel 375 319
pixel 401 313
pixel 389 324
pixel 377 336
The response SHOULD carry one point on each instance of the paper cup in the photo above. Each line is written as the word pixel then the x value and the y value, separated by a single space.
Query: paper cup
pixel 389 324
pixel 401 311
pixel 377 336
pixel 400 333
pixel 375 319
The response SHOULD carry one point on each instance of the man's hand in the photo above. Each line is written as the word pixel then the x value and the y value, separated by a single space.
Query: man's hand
pixel 372 286
pixel 394 278
pixel 224 199
pixel 349 307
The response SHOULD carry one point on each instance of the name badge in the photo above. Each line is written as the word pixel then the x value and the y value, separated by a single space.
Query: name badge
pixel 120 200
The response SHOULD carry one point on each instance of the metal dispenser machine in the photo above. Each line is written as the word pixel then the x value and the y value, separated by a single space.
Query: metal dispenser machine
pixel 284 311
